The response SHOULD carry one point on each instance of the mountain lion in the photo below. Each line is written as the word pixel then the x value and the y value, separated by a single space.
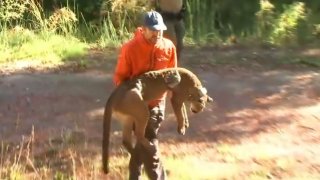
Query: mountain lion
pixel 129 104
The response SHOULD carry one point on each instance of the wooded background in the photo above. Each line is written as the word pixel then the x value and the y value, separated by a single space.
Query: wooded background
pixel 273 21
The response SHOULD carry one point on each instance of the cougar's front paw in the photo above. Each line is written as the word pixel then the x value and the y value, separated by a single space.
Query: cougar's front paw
pixel 186 123
pixel 182 130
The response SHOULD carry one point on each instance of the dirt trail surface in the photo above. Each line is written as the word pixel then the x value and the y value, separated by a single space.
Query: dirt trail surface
pixel 265 122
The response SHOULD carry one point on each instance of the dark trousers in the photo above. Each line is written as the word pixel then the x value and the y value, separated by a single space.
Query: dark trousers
pixel 175 32
pixel 140 156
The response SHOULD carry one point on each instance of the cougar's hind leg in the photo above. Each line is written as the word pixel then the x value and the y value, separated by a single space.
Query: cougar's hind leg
pixel 128 119
pixel 140 128
pixel 127 135
pixel 140 114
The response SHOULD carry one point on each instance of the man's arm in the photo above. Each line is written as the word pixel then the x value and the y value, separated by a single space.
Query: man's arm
pixel 173 59
pixel 173 79
pixel 123 68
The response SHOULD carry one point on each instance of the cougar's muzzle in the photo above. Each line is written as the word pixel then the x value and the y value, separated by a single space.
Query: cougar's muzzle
pixel 199 99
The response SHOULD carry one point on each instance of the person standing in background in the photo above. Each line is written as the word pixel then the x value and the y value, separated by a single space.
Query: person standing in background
pixel 173 12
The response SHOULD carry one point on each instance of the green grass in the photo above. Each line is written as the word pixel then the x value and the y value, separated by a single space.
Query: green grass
pixel 310 61
pixel 67 157
pixel 43 48
pixel 53 41
pixel 193 167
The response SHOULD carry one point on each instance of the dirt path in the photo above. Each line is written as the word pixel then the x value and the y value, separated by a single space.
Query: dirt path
pixel 262 117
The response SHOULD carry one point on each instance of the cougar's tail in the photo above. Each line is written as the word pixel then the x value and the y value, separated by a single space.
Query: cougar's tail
pixel 106 135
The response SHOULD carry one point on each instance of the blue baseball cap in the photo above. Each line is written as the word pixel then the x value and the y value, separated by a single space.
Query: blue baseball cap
pixel 154 21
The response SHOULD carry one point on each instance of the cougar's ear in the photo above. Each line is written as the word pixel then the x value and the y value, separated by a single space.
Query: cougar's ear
pixel 172 79
pixel 203 91
pixel 209 99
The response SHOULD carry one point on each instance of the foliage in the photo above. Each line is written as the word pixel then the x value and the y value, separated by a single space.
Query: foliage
pixel 62 20
pixel 43 39
pixel 87 10
pixel 208 21
pixel 12 9
pixel 198 24
pixel 285 27
pixel 48 47
pixel 265 19
pixel 111 35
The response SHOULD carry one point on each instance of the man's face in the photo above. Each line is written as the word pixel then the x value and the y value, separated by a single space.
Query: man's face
pixel 152 36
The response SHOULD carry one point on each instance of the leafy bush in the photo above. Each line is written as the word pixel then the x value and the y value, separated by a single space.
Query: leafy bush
pixel 286 25
pixel 62 21
pixel 265 19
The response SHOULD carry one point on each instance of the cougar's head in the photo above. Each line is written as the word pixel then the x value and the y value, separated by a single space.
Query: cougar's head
pixel 198 98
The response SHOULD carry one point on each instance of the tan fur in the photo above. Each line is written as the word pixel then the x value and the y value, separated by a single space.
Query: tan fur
pixel 129 104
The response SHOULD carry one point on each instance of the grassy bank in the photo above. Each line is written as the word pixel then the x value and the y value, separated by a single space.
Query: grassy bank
pixel 35 36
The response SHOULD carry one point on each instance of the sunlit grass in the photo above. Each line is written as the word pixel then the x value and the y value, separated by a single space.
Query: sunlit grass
pixel 71 158
pixel 47 40
pixel 194 167
pixel 54 48
pixel 43 50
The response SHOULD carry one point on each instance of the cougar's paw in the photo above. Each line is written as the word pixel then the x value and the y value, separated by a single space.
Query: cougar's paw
pixel 182 130
pixel 186 123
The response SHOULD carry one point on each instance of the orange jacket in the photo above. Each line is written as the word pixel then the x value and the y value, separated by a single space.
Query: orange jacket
pixel 138 56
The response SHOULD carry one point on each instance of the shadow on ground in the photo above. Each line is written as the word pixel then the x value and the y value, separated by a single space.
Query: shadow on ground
pixel 66 108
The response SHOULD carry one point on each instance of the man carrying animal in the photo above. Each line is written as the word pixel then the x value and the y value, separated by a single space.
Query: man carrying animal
pixel 128 104
pixel 148 50
pixel 173 12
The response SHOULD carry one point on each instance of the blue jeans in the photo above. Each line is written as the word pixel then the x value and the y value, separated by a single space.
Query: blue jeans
pixel 140 156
